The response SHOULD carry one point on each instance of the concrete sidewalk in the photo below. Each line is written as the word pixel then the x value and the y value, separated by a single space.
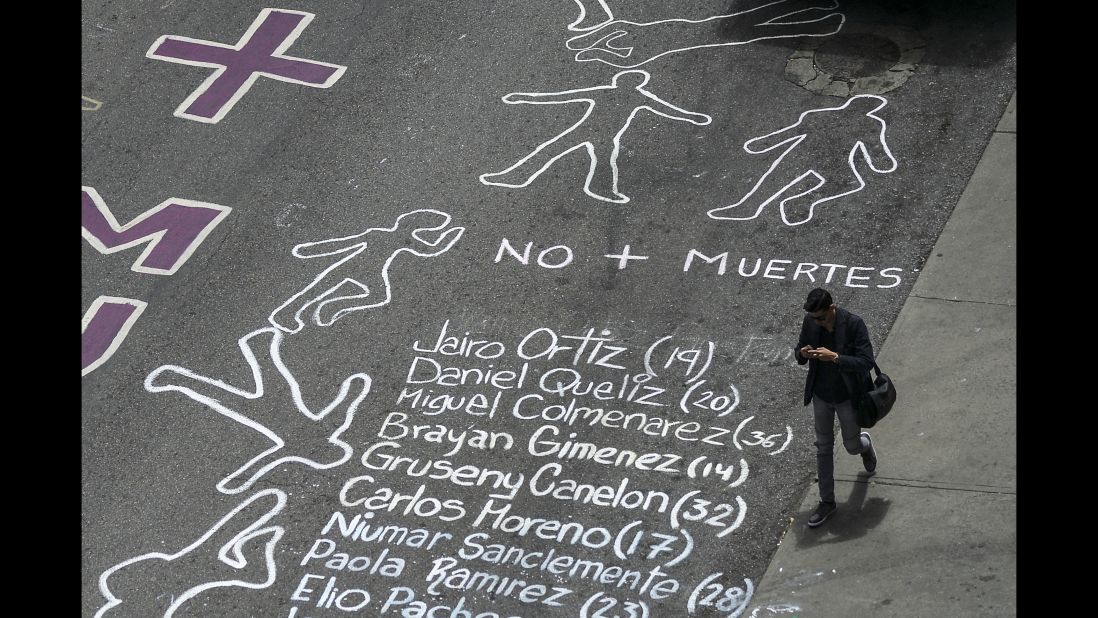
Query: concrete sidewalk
pixel 933 533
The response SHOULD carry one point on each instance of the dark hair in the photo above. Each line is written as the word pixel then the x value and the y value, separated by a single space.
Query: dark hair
pixel 818 298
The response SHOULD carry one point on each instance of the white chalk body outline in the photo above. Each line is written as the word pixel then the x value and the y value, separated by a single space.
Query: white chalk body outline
pixel 296 32
pixel 791 143
pixel 607 12
pixel 235 546
pixel 452 235
pixel 120 336
pixel 622 199
pixel 256 393
pixel 624 52
pixel 154 238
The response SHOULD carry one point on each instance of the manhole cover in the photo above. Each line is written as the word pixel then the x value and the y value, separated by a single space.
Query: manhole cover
pixel 860 59
pixel 850 56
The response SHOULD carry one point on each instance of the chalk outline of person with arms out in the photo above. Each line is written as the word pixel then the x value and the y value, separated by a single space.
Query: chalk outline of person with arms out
pixel 791 140
pixel 206 390
pixel 330 280
pixel 539 154
pixel 230 553
pixel 770 19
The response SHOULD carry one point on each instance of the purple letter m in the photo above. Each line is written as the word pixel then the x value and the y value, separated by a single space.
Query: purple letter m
pixel 173 230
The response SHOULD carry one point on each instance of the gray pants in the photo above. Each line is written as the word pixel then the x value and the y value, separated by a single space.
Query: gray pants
pixel 824 414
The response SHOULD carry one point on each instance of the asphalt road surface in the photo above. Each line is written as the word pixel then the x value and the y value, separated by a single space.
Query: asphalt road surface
pixel 488 306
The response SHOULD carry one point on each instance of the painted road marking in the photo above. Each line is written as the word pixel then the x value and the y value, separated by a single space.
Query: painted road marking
pixel 229 566
pixel 258 52
pixel 89 104
pixel 104 326
pixel 598 133
pixel 296 432
pixel 354 284
pixel 173 230
pixel 629 44
pixel 820 168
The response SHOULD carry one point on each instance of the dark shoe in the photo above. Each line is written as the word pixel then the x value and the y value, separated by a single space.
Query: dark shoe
pixel 869 456
pixel 822 512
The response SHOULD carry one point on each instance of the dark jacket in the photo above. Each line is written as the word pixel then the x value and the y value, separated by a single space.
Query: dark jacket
pixel 854 348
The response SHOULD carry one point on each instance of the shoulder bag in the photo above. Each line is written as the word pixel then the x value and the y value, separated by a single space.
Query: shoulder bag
pixel 877 401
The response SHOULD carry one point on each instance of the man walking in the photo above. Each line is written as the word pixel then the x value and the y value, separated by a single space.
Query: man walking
pixel 835 344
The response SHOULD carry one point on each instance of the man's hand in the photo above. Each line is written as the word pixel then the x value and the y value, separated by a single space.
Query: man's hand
pixel 820 354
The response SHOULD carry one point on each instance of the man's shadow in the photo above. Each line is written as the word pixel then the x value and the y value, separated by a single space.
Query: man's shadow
pixel 854 518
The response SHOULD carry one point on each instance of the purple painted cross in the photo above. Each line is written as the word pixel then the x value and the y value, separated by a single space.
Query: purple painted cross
pixel 258 52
